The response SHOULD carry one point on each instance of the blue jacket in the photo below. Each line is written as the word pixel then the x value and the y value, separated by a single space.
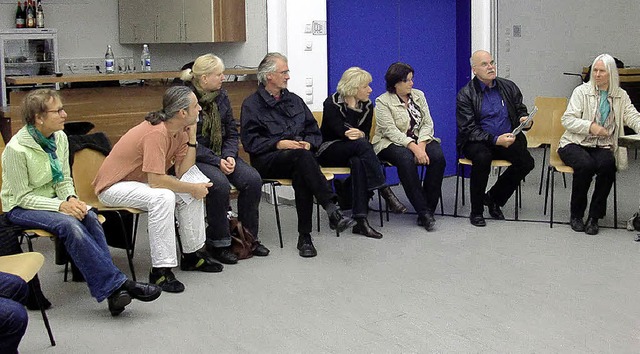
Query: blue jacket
pixel 265 121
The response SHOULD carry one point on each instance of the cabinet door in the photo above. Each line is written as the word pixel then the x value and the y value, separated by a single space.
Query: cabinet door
pixel 229 22
pixel 198 17
pixel 169 21
pixel 134 27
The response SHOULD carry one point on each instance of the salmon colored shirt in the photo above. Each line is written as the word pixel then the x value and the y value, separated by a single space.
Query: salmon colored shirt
pixel 144 149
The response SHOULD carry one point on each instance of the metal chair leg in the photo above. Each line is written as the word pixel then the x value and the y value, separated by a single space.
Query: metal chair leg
pixel 45 319
pixel 275 206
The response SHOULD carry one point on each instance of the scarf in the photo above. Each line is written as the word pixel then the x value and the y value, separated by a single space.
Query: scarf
pixel 604 107
pixel 212 123
pixel 49 146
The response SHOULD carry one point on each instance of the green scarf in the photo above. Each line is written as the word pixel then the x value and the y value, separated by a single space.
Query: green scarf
pixel 49 146
pixel 212 124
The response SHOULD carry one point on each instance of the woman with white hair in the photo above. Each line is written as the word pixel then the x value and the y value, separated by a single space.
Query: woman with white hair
pixel 217 157
pixel 597 112
pixel 346 123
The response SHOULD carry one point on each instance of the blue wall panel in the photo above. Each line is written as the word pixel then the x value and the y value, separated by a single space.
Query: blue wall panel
pixel 432 36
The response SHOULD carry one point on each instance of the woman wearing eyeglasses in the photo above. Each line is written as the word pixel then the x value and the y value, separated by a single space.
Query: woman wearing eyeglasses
pixel 405 138
pixel 38 192
pixel 346 122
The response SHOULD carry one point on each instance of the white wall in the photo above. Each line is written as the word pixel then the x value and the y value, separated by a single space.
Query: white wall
pixel 563 36
pixel 85 27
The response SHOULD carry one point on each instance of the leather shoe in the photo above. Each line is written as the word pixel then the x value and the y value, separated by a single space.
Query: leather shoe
pixel 363 228
pixel 577 224
pixel 260 250
pixel 117 301
pixel 305 246
pixel 142 291
pixel 591 228
pixel 223 255
pixel 339 221
pixel 477 220
pixel 426 221
pixel 494 208
pixel 394 204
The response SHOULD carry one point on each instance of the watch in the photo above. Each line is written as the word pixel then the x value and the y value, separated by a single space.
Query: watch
pixel 192 145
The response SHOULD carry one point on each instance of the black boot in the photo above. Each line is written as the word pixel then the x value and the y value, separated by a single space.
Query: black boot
pixel 394 204
pixel 363 228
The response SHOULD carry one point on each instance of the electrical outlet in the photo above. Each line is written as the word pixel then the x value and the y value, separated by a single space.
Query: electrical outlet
pixel 319 27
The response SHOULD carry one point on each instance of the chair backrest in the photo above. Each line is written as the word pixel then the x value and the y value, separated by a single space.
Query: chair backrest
pixel 555 134
pixel 318 117
pixel 1 151
pixel 539 133
pixel 86 163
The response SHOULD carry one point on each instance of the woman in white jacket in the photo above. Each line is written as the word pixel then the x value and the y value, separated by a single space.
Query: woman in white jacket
pixel 597 112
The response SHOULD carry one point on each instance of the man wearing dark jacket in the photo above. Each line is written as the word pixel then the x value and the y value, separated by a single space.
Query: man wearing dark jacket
pixel 488 108
pixel 280 133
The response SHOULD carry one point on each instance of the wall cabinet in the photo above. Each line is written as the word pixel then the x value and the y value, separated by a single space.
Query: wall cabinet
pixel 181 21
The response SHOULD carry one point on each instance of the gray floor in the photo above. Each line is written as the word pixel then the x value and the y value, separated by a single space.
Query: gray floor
pixel 508 287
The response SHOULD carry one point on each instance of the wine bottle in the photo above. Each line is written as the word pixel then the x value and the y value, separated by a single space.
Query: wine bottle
pixel 108 61
pixel 31 16
pixel 20 21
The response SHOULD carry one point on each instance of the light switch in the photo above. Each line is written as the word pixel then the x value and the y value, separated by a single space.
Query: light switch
pixel 308 90
pixel 307 28
pixel 308 99
pixel 308 45
pixel 308 81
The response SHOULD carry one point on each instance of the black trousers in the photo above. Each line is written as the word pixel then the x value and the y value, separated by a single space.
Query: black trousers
pixel 481 155
pixel 426 198
pixel 302 168
pixel 366 171
pixel 587 162
pixel 249 185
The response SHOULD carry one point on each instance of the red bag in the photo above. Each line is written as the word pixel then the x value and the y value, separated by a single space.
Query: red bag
pixel 242 241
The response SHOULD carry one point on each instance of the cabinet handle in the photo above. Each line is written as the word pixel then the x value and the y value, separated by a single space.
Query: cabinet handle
pixel 185 31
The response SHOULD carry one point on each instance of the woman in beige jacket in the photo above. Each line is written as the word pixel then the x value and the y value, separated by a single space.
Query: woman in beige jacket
pixel 597 112
pixel 405 138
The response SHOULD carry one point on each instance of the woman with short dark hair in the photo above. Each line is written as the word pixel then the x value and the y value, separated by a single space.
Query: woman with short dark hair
pixel 405 138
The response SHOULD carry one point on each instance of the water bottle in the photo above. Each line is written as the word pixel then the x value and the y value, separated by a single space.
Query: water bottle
pixel 108 61
pixel 145 59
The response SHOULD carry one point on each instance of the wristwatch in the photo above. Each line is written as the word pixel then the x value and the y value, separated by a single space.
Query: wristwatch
pixel 194 145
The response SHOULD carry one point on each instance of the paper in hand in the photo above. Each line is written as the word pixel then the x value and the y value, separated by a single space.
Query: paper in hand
pixel 193 175
pixel 524 123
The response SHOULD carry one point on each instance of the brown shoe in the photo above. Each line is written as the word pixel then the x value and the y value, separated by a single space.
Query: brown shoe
pixel 363 228
pixel 394 204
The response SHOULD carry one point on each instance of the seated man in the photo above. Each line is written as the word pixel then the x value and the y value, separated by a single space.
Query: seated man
pixel 13 316
pixel 279 132
pixel 38 192
pixel 135 175
pixel 488 108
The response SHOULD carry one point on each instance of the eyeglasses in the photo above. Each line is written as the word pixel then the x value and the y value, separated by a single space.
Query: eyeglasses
pixel 59 111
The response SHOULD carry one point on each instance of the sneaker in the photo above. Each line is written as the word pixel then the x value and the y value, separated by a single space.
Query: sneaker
pixel 305 246
pixel 165 279
pixel 200 261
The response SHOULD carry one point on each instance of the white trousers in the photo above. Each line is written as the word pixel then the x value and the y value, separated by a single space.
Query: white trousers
pixel 163 207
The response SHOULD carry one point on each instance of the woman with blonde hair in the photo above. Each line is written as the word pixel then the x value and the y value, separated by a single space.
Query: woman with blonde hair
pixel 217 157
pixel 595 117
pixel 346 122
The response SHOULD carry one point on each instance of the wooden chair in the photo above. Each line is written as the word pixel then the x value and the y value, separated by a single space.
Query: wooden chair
pixel 463 163
pixel 557 165
pixel 86 163
pixel 26 266
pixel 539 135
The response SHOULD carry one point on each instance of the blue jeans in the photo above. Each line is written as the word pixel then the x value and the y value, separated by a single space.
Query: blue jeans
pixel 85 243
pixel 13 315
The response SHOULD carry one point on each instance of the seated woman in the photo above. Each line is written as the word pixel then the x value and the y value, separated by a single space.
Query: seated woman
pixel 346 122
pixel 217 157
pixel 405 138
pixel 38 192
pixel 595 117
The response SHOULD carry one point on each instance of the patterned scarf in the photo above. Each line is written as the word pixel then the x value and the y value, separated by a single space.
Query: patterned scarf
pixel 211 124
pixel 49 146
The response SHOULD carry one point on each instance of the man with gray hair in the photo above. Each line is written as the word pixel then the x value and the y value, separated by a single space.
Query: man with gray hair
pixel 281 135
pixel 135 175
pixel 488 109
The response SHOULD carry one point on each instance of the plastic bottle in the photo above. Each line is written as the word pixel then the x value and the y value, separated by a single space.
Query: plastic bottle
pixel 145 59
pixel 109 61
pixel 20 20
pixel 39 15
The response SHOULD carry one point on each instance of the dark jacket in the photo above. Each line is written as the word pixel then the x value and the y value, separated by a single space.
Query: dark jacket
pixel 469 104
pixel 266 121
pixel 229 132
pixel 336 118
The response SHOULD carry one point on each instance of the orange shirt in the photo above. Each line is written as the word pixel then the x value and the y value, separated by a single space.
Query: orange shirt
pixel 144 149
